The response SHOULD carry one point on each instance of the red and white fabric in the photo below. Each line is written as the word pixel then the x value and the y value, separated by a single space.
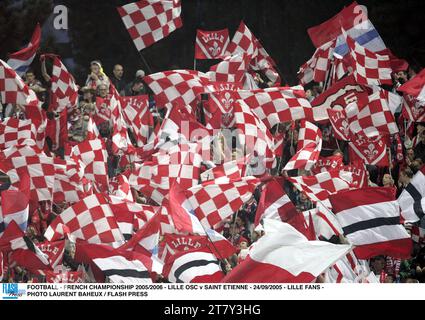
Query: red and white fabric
pixel 335 162
pixel 231 69
pixel 370 219
pixel 360 174
pixel 418 235
pixel 57 130
pixel 373 119
pixel 64 89
pixel 93 154
pixel 13 89
pixel 415 87
pixel 317 68
pixel 54 251
pixel 138 117
pixel 318 188
pixel 412 199
pixel 148 21
pixel 371 151
pixel 233 170
pixel 211 44
pixel 253 135
pixel 274 204
pixel 283 255
pixel 219 109
pixel 277 105
pixel 121 143
pixel 413 109
pixel 193 266
pixel 120 187
pixel 213 203
pixel 41 171
pixel 179 87
pixel 16 132
pixel 309 148
pixel 340 125
pixel 338 96
pixel 91 219
pixel 346 270
pixel 369 68
pixel 69 181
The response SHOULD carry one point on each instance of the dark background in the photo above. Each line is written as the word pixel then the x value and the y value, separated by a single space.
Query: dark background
pixel 281 25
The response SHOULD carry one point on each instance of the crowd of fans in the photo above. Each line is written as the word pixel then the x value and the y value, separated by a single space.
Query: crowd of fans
pixel 239 230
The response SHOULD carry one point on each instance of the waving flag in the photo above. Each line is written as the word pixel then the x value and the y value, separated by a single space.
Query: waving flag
pixel 148 21
pixel 211 44
pixel 354 19
pixel 371 151
pixel 193 266
pixel 231 69
pixel 64 89
pixel 369 68
pixel 21 60
pixel 284 255
pixel 412 199
pixel 16 132
pixel 415 87
pixel 370 219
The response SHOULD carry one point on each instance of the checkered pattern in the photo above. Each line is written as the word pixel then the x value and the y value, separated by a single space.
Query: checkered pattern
pixel 213 203
pixel 91 219
pixel 179 163
pixel 232 69
pixel 16 132
pixel 120 187
pixel 273 106
pixel 233 170
pixel 121 142
pixel 310 140
pixel 41 171
pixel 318 66
pixel 252 133
pixel 318 188
pixel 64 89
pixel 93 154
pixel 244 42
pixel 369 68
pixel 137 115
pixel 13 89
pixel 373 119
pixel 149 21
pixel 20 151
pixel 180 87
pixel 68 184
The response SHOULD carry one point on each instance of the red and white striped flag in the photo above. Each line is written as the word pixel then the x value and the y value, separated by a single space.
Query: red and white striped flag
pixel 370 219
pixel 148 21
pixel 193 266
pixel 271 259
pixel 211 44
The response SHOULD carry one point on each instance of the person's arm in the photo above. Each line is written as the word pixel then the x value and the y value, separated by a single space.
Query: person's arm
pixel 44 73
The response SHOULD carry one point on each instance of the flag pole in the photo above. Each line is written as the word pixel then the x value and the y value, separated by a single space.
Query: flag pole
pixel 194 64
pixel 145 62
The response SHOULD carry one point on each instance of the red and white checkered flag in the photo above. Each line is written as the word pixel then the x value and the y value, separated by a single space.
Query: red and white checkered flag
pixel 318 188
pixel 309 148
pixel 211 44
pixel 369 68
pixel 244 42
pixel 179 87
pixel 233 170
pixel 318 66
pixel 16 132
pixel 91 219
pixel 69 181
pixel 213 203
pixel 41 171
pixel 137 115
pixel 13 89
pixel 232 69
pixel 277 105
pixel 253 134
pixel 64 89
pixel 149 21
pixel 372 119
pixel 93 154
